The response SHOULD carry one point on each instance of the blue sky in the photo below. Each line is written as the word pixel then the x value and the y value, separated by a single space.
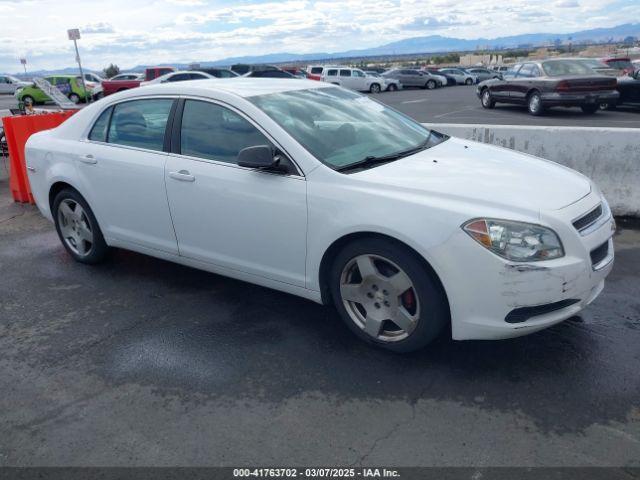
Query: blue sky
pixel 132 32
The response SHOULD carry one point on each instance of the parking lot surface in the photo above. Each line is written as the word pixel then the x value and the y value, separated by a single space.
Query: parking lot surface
pixel 143 362
pixel 461 105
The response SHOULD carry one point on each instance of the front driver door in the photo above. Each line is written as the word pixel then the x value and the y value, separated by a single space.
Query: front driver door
pixel 230 216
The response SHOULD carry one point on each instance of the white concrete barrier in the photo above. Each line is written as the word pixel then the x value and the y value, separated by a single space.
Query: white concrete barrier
pixel 609 156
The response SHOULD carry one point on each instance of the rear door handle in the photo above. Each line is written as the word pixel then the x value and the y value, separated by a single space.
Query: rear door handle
pixel 88 159
pixel 182 175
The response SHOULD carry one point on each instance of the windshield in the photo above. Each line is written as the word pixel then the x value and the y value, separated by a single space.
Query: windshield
pixel 558 68
pixel 341 128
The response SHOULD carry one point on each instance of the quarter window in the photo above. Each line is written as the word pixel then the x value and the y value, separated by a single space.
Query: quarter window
pixel 140 123
pixel 99 131
pixel 216 133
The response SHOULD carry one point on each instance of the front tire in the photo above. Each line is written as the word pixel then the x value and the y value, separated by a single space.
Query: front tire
pixel 431 85
pixel 74 97
pixel 392 87
pixel 534 104
pixel 486 99
pixel 468 81
pixel 78 228
pixel 386 295
pixel 374 88
pixel 590 109
pixel 28 100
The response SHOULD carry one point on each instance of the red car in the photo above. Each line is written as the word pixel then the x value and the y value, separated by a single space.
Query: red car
pixel 623 64
pixel 113 86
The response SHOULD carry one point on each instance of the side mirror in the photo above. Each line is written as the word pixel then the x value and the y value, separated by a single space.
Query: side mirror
pixel 260 157
pixel 636 74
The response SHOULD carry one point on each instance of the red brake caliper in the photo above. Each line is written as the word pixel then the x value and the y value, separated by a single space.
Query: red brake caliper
pixel 409 300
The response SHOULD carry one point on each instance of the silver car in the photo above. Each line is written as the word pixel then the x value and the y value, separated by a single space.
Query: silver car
pixel 414 78
pixel 461 77
pixel 484 73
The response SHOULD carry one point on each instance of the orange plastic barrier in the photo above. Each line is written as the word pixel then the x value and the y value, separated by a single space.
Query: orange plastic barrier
pixel 17 130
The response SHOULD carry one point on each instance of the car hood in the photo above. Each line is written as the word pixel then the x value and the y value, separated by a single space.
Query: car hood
pixel 482 173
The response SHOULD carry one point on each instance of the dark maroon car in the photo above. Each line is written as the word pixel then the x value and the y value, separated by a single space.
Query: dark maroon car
pixel 550 83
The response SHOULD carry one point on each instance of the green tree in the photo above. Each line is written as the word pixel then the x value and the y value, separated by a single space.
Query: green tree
pixel 111 71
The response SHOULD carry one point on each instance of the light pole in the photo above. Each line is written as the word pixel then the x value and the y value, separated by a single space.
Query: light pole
pixel 23 61
pixel 74 34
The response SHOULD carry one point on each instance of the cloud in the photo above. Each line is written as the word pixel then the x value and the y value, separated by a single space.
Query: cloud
pixel 164 31
pixel 100 27
pixel 434 23
pixel 567 4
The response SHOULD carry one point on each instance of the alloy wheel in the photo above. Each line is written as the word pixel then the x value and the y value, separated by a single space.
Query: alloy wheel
pixel 75 228
pixel 379 297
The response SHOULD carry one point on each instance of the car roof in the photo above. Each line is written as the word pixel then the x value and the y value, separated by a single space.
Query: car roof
pixel 239 86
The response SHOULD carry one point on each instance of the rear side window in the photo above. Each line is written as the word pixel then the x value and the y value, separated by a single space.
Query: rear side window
pixel 99 131
pixel 140 123
pixel 332 73
pixel 316 70
pixel 345 73
pixel 214 132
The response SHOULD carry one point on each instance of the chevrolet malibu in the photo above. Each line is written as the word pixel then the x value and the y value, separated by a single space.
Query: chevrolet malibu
pixel 320 192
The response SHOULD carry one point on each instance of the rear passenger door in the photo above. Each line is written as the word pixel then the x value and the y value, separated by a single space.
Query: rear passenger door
pixel 121 167
pixel 233 217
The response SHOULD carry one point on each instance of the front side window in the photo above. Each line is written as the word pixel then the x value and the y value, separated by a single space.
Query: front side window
pixel 216 133
pixel 140 123
pixel 341 127
pixel 99 131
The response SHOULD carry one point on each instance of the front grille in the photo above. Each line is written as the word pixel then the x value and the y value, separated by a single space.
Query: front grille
pixel 598 254
pixel 588 219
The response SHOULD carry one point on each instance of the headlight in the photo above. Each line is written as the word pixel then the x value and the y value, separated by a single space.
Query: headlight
pixel 515 241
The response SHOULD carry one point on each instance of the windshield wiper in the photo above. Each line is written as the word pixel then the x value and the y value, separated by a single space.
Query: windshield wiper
pixel 372 160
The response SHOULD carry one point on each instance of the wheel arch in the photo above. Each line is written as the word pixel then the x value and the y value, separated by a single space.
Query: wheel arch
pixel 56 187
pixel 333 249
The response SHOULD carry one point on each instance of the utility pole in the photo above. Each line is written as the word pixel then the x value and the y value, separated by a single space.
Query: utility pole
pixel 23 61
pixel 74 34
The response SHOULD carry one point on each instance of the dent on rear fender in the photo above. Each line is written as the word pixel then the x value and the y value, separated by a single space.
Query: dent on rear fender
pixel 526 285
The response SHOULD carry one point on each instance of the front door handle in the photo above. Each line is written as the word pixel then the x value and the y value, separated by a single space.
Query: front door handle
pixel 182 175
pixel 88 159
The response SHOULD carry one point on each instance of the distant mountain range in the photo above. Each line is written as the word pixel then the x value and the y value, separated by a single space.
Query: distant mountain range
pixel 428 44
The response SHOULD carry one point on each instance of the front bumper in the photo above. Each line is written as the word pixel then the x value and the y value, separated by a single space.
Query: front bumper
pixel 571 99
pixel 484 289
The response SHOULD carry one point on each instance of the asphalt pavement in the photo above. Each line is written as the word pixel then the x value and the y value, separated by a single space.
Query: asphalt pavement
pixel 461 105
pixel 143 362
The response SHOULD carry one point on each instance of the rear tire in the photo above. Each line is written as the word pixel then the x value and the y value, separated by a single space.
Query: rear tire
pixel 28 100
pixel 590 109
pixel 395 287
pixel 468 81
pixel 534 104
pixel 393 87
pixel 78 228
pixel 74 97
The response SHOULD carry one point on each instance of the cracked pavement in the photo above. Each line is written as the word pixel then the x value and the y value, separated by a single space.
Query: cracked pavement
pixel 143 362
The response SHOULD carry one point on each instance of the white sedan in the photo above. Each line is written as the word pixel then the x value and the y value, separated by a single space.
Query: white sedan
pixel 326 194
pixel 179 76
